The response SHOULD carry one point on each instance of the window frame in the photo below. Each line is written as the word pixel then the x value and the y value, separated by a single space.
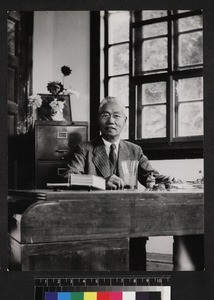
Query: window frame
pixel 156 148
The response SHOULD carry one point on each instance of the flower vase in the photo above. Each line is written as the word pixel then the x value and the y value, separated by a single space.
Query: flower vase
pixel 58 116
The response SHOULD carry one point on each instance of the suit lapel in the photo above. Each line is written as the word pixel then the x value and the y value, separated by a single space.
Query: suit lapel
pixel 100 158
pixel 123 154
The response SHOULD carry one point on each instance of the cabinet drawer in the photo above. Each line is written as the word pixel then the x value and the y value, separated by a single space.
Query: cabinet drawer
pixel 56 142
pixel 50 172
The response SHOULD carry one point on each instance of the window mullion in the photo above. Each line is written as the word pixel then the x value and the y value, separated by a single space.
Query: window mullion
pixel 118 75
pixel 175 42
pixel 152 104
pixel 176 111
pixel 106 54
pixel 190 101
pixel 189 31
pixel 169 86
pixel 153 37
pixel 117 44
pixel 150 22
pixel 170 110
pixel 139 112
pixel 132 91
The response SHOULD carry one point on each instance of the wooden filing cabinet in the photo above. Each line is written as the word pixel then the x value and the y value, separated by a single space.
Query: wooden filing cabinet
pixel 54 143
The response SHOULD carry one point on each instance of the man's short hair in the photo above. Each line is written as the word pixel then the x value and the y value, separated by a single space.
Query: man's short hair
pixel 113 100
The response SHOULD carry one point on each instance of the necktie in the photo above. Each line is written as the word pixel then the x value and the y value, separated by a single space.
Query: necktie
pixel 113 158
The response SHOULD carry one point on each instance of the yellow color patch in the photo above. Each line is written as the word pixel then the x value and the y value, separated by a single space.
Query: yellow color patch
pixel 90 295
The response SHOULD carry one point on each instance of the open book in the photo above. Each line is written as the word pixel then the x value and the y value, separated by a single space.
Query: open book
pixel 81 180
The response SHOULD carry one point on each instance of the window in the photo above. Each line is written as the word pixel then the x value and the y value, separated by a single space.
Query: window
pixel 153 61
pixel 116 54
pixel 168 60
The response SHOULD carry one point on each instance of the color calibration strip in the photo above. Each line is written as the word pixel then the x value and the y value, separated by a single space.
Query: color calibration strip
pixel 103 295
pixel 104 288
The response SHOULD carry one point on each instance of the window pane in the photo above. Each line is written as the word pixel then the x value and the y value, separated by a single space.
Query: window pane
pixel 125 132
pixel 183 11
pixel 190 49
pixel 118 27
pixel 190 89
pixel 190 23
pixel 119 59
pixel 154 121
pixel 154 93
pixel 119 87
pixel 11 28
pixel 151 14
pixel 154 29
pixel 154 54
pixel 190 119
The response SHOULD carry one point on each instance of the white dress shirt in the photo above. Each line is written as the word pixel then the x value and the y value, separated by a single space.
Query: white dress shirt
pixel 108 145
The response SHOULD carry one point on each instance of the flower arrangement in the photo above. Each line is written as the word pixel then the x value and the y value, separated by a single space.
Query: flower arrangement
pixel 35 101
pixel 57 106
pixel 50 107
pixel 55 87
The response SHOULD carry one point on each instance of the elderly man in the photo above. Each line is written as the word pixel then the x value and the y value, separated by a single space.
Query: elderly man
pixel 104 155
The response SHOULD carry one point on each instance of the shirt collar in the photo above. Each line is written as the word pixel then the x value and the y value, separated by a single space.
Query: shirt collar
pixel 108 144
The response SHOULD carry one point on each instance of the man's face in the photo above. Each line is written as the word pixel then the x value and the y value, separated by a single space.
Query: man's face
pixel 111 121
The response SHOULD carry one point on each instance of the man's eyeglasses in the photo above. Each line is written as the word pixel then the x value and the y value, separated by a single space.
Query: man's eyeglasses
pixel 107 116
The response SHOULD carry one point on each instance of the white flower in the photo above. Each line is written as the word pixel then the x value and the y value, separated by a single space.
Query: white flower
pixel 35 101
pixel 57 105
pixel 70 91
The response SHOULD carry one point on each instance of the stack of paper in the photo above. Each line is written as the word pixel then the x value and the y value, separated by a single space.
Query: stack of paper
pixel 87 180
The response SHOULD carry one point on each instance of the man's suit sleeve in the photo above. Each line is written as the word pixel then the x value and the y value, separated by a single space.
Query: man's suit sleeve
pixel 77 163
pixel 145 169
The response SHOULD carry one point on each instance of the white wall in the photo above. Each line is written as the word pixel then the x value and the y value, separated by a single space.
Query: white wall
pixel 57 42
pixel 184 169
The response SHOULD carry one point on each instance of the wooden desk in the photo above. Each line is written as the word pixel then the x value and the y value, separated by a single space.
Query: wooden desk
pixel 77 230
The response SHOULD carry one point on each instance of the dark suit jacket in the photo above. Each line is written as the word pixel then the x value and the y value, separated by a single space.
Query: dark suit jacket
pixel 91 158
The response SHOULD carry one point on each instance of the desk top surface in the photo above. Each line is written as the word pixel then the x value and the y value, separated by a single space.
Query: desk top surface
pixel 112 192
pixel 48 194
pixel 94 214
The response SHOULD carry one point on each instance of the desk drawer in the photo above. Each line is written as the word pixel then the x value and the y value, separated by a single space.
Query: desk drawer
pixel 56 142
pixel 50 172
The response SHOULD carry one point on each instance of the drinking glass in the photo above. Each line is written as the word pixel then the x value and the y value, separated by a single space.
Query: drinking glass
pixel 130 172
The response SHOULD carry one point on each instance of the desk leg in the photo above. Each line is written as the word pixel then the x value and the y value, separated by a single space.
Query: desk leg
pixel 137 254
pixel 188 253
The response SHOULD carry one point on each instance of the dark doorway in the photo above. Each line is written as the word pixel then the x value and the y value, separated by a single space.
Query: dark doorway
pixel 19 86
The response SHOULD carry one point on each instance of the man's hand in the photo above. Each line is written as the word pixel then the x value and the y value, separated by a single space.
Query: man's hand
pixel 114 183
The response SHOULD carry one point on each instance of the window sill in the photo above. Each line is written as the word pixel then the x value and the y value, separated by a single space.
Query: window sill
pixel 174 150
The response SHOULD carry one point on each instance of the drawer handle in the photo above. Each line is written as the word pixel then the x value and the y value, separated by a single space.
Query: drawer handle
pixel 61 171
pixel 62 135
pixel 62 151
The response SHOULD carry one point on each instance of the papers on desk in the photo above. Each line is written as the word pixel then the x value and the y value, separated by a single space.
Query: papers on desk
pixel 87 180
pixel 81 181
pixel 187 185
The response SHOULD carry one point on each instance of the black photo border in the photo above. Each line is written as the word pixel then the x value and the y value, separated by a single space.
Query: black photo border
pixel 185 285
